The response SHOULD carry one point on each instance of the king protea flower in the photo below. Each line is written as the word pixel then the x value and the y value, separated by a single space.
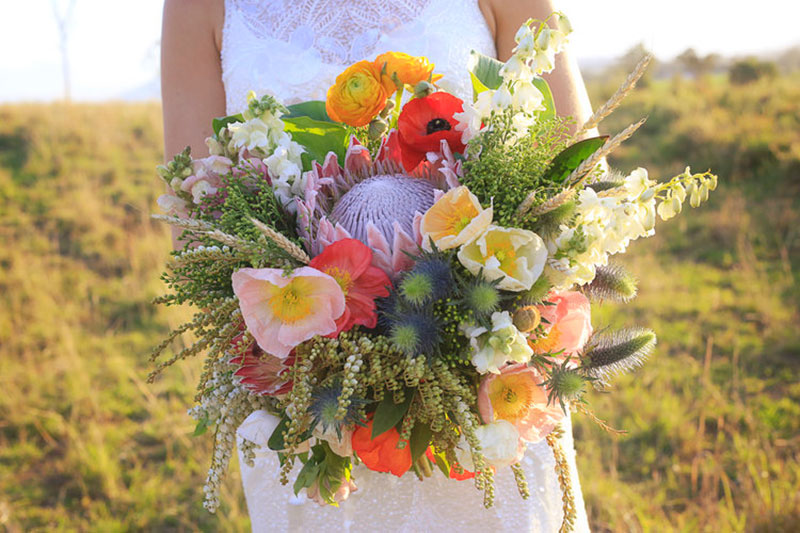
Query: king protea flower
pixel 377 202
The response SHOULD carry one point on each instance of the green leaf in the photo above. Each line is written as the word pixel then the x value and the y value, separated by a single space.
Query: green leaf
pixel 318 137
pixel 388 413
pixel 420 438
pixel 306 477
pixel 201 427
pixel 569 159
pixel 477 86
pixel 276 442
pixel 314 109
pixel 549 104
pixel 221 122
pixel 486 69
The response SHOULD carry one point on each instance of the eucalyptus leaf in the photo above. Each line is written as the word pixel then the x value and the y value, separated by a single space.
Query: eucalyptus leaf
pixel 570 158
pixel 201 427
pixel 306 477
pixel 388 413
pixel 218 123
pixel 276 443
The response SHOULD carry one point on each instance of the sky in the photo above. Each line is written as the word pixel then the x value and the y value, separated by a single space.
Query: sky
pixel 113 45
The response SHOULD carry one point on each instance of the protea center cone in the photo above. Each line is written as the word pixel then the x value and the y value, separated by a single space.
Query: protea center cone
pixel 374 202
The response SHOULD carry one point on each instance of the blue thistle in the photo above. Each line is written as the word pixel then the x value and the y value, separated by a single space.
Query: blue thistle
pixel 325 404
pixel 414 333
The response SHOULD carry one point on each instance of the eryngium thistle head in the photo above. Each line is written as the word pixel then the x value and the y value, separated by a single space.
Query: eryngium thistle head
pixel 414 333
pixel 612 282
pixel 325 404
pixel 383 200
pixel 437 269
pixel 607 355
pixel 482 297
pixel 566 384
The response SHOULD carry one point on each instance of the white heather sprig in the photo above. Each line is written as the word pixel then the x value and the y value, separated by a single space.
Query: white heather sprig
pixel 225 404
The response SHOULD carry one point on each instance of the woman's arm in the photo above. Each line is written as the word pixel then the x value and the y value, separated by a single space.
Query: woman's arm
pixel 505 17
pixel 192 93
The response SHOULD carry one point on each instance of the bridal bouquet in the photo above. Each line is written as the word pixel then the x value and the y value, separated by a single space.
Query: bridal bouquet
pixel 402 279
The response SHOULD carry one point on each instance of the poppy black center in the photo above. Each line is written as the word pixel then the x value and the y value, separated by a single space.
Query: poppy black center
pixel 438 124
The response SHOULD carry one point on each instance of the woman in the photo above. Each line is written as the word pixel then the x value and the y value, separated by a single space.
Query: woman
pixel 213 52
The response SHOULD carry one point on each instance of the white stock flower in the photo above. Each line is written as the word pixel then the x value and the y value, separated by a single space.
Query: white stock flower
pixel 527 97
pixel 494 348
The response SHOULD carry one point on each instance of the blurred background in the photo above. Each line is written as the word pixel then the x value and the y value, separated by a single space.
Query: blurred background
pixel 712 420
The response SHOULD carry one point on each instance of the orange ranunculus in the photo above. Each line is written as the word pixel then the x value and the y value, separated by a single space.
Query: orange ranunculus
pixel 410 70
pixel 358 94
pixel 381 453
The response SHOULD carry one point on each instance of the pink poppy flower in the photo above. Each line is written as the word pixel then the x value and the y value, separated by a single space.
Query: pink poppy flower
pixel 283 311
pixel 516 396
pixel 567 324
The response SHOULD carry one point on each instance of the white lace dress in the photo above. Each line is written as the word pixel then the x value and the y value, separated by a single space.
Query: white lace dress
pixel 294 49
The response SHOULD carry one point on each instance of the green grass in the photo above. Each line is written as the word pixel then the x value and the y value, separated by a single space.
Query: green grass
pixel 713 418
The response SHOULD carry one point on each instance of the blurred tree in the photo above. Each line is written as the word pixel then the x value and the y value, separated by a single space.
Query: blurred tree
pixel 697 66
pixel 628 61
pixel 751 69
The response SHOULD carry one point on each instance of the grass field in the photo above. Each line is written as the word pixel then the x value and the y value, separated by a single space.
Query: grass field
pixel 713 419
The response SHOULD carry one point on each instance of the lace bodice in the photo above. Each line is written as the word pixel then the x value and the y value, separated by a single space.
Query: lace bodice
pixel 294 49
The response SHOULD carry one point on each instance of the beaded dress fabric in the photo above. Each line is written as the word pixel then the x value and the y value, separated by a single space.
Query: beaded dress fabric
pixel 294 50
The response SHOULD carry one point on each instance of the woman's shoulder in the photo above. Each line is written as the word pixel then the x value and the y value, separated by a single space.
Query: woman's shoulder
pixel 197 15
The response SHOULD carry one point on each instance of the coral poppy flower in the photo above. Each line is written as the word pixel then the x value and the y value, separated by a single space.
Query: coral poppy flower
pixel 424 123
pixel 283 311
pixel 358 95
pixel 516 395
pixel 567 324
pixel 261 372
pixel 464 475
pixel 381 453
pixel 349 262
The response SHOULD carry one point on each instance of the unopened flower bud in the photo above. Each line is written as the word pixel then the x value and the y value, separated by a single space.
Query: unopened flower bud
pixel 162 171
pixel 647 194
pixel 527 318
pixel 214 146
pixel 186 172
pixel 175 184
pixel 377 127
pixel 388 108
pixel 563 23
pixel 423 89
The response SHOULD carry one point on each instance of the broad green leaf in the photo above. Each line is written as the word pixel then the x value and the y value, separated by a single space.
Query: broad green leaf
pixel 388 413
pixel 549 104
pixel 221 122
pixel 420 438
pixel 318 137
pixel 486 69
pixel 477 86
pixel 570 158
pixel 314 109
pixel 306 477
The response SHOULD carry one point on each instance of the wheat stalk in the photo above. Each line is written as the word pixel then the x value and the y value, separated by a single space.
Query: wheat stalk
pixel 579 174
pixel 282 241
pixel 553 203
pixel 613 102
pixel 190 224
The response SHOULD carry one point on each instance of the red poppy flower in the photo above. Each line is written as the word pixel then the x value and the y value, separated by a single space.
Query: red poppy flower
pixel 424 123
pixel 261 372
pixel 349 262
pixel 381 453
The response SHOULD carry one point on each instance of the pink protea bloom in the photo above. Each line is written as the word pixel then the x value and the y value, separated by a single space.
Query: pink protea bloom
pixel 567 324
pixel 516 395
pixel 260 372
pixel 283 311
pixel 376 202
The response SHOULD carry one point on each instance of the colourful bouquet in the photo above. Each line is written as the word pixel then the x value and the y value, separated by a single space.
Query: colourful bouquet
pixel 404 278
